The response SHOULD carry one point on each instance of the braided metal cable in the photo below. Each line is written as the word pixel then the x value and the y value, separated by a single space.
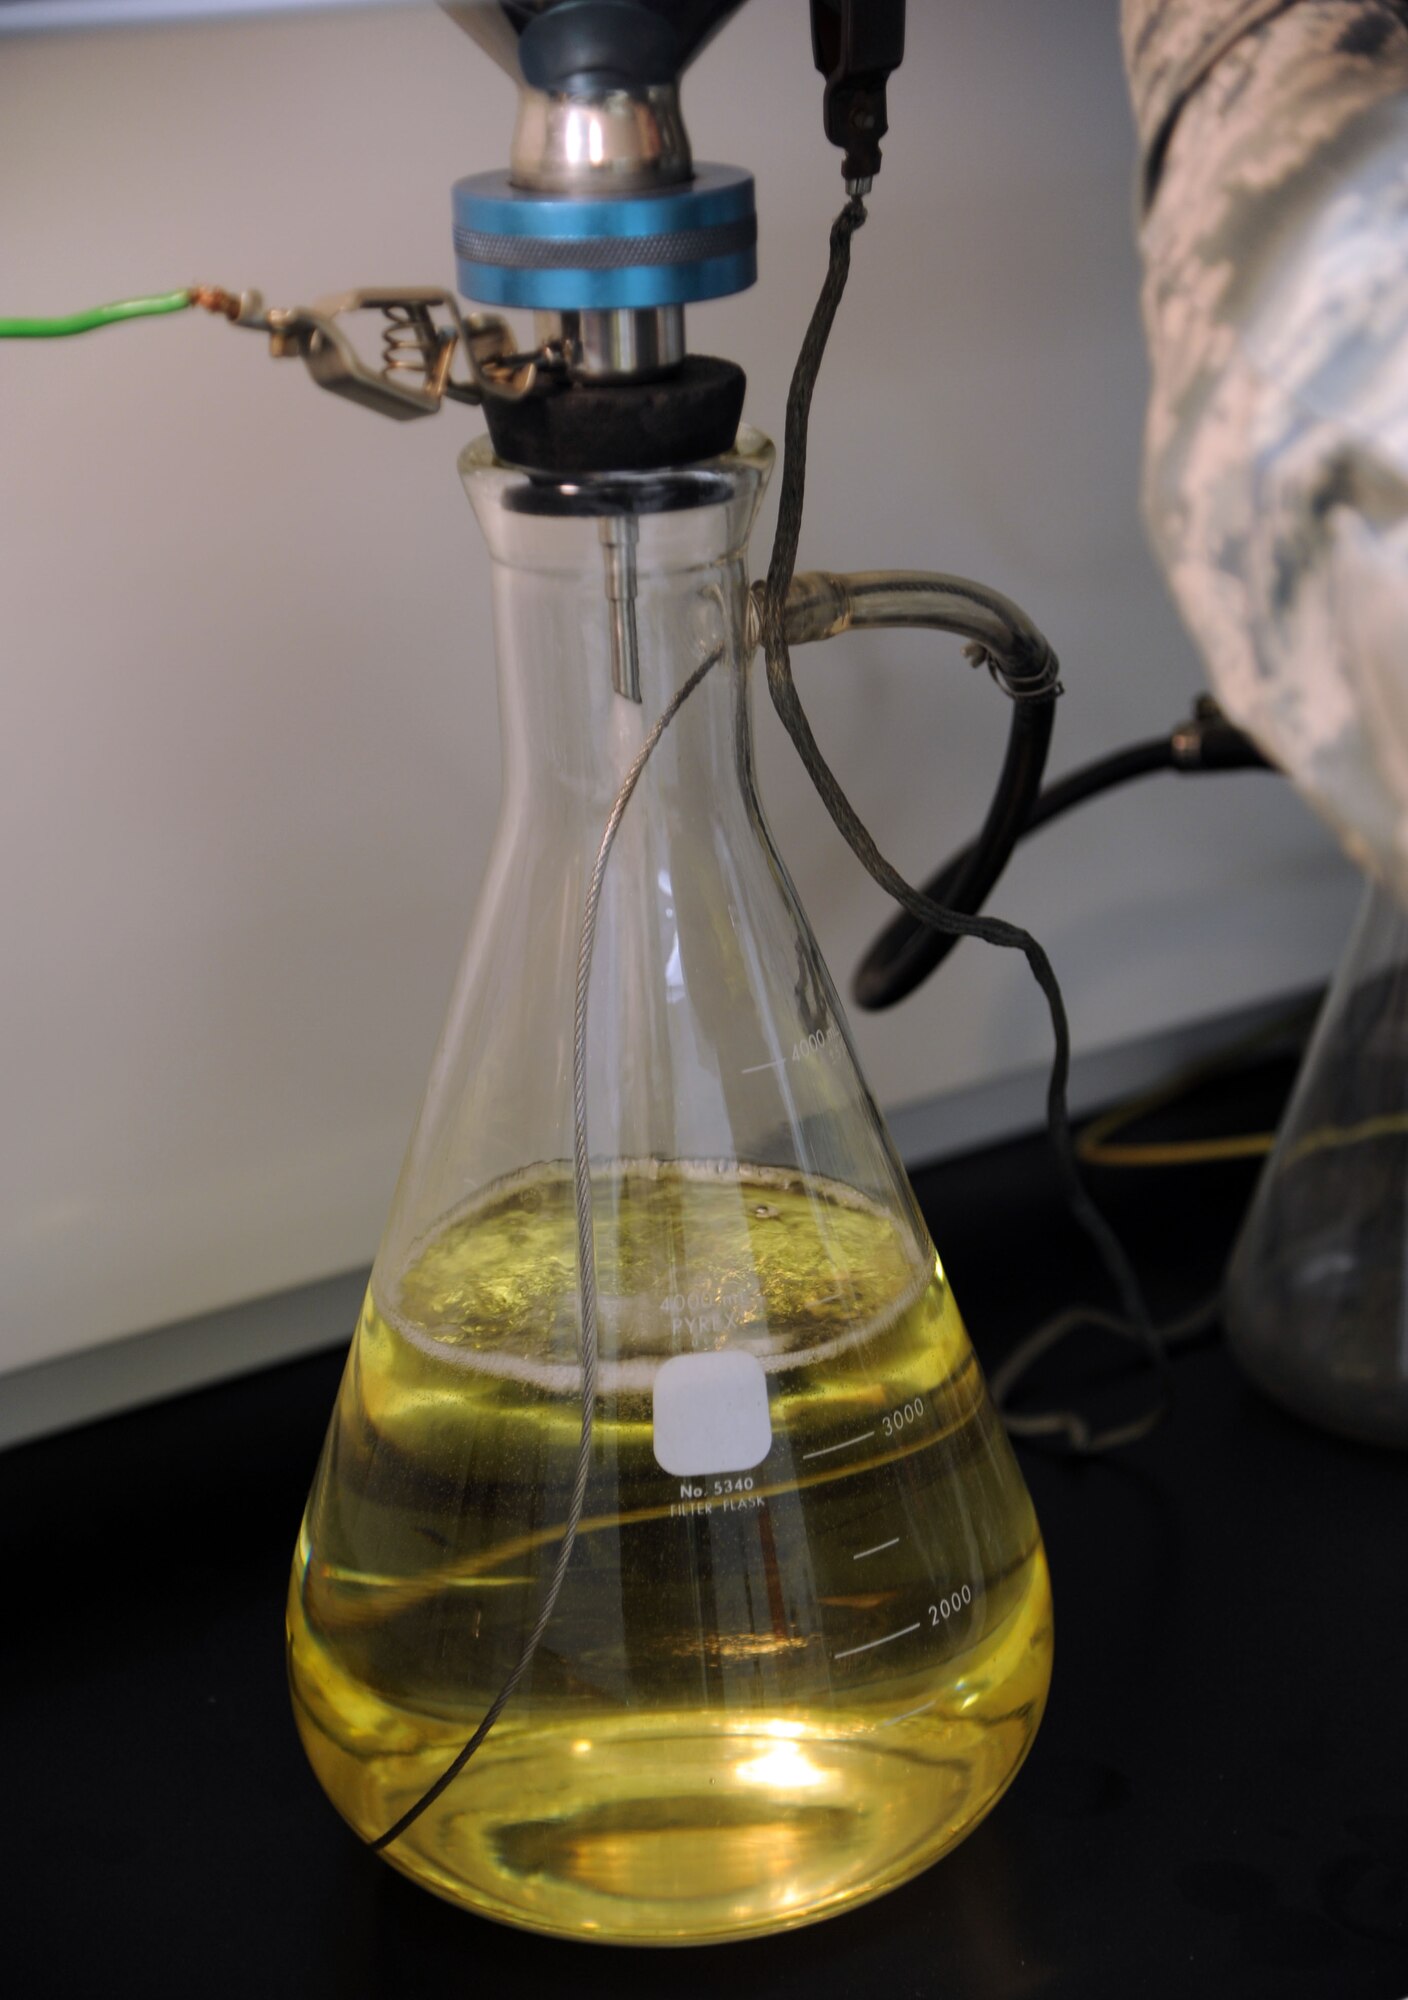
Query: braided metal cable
pixel 586 1258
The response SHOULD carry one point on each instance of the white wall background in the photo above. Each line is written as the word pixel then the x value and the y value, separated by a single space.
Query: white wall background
pixel 248 765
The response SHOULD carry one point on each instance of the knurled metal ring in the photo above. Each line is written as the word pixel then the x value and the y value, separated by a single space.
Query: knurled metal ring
pixel 658 247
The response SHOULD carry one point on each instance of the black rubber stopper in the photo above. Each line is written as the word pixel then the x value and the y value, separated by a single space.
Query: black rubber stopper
pixel 683 417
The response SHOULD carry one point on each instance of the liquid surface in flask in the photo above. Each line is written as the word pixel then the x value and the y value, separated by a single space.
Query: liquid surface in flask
pixel 769 1690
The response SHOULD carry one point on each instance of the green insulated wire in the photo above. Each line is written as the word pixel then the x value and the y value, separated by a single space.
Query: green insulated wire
pixel 85 322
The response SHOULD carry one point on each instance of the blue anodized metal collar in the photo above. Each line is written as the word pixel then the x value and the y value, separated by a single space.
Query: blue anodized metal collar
pixel 562 253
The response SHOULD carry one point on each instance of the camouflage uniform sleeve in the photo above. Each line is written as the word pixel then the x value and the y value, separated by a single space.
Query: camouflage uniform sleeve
pixel 1274 230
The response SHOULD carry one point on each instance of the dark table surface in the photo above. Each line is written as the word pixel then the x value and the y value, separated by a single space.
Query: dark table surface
pixel 1217 1802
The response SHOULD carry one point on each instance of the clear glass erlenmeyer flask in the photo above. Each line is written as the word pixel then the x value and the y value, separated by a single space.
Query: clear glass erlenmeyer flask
pixel 804 1638
pixel 1316 1307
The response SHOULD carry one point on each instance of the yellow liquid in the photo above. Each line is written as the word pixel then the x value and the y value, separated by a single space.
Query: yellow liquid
pixel 764 1696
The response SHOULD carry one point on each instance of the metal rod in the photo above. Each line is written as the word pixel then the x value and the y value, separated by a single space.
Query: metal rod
pixel 619 534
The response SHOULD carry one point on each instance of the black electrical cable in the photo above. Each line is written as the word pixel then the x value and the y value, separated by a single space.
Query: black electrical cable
pixel 1068 1424
pixel 906 952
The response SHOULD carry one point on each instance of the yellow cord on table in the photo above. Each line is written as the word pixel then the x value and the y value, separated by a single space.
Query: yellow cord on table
pixel 1094 1145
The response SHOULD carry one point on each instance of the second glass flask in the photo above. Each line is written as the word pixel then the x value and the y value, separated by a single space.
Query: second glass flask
pixel 803 1641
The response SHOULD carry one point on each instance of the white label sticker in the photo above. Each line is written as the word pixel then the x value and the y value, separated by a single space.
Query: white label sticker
pixel 711 1413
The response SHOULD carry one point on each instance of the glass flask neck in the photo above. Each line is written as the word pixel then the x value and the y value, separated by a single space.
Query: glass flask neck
pixel 609 591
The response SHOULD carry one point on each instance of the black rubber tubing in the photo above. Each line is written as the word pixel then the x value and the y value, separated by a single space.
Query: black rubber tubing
pixel 906 951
